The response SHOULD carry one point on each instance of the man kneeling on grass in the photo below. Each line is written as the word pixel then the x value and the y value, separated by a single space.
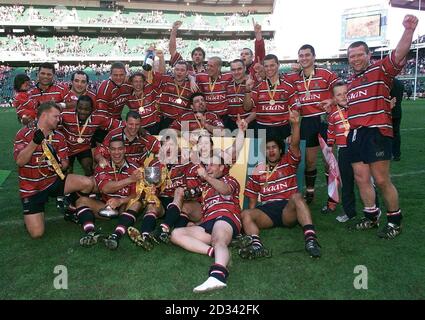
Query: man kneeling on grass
pixel 42 158
pixel 274 184
pixel 117 184
pixel 220 223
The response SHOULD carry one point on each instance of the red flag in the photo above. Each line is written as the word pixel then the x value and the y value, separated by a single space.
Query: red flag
pixel 334 179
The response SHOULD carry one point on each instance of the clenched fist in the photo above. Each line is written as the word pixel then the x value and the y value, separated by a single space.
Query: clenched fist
pixel 410 22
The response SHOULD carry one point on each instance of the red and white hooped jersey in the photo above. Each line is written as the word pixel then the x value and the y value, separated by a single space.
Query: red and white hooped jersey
pixel 176 173
pixel 174 100
pixel 37 175
pixel 277 113
pixel 146 107
pixel 215 92
pixel 136 150
pixel 336 128
pixel 190 119
pixel 319 88
pixel 56 92
pixel 24 105
pixel 280 185
pixel 111 98
pixel 369 95
pixel 235 96
pixel 69 127
pixel 104 175
pixel 215 204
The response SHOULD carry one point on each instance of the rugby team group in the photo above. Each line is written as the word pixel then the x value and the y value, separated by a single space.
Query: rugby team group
pixel 186 106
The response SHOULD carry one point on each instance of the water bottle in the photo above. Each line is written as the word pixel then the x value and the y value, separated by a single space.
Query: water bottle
pixel 149 58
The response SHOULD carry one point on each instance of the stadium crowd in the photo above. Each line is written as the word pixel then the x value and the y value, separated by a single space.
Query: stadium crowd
pixel 60 14
pixel 83 46
pixel 137 178
pixel 11 13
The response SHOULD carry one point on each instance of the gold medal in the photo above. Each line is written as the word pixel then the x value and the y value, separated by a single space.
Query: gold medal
pixel 272 92
pixel 80 132
pixel 266 184
pixel 179 93
pixel 140 102
pixel 307 84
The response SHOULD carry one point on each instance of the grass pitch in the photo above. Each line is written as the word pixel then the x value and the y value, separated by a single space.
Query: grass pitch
pixel 395 268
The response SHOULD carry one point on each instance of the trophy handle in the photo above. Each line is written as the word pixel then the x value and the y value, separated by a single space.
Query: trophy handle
pixel 164 178
pixel 140 186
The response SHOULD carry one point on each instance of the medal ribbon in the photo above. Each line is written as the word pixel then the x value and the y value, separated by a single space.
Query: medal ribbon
pixel 180 93
pixel 199 123
pixel 307 84
pixel 212 86
pixel 141 99
pixel 344 121
pixel 80 133
pixel 52 159
pixel 269 174
pixel 273 92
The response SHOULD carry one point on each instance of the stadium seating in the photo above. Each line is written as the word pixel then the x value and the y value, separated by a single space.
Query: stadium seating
pixel 93 16
pixel 72 47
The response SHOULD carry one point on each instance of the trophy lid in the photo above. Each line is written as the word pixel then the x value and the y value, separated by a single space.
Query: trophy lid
pixel 108 212
pixel 153 175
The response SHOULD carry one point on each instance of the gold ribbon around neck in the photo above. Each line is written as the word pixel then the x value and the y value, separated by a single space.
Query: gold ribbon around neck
pixel 49 155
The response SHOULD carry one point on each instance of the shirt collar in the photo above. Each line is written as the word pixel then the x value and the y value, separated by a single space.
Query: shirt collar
pixel 41 90
pixel 124 136
pixel 301 73
pixel 124 166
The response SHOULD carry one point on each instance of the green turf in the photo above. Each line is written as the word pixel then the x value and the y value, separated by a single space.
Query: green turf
pixel 3 176
pixel 395 268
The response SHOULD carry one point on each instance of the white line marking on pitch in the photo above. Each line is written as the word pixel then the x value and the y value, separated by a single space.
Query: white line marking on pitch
pixel 397 175
pixel 56 218
pixel 407 173
pixel 17 222
pixel 412 129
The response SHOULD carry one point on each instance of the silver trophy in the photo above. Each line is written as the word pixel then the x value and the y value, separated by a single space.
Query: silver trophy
pixel 108 212
pixel 153 175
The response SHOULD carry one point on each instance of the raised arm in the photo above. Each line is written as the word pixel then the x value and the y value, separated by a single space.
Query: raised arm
pixel 234 150
pixel 247 100
pixel 294 119
pixel 222 187
pixel 260 48
pixel 161 64
pixel 172 45
pixel 403 47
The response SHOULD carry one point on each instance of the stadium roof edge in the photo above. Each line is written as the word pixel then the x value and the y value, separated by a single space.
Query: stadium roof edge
pixel 205 6
pixel 219 6
pixel 408 4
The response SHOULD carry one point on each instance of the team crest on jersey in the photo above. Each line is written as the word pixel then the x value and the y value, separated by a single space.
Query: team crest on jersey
pixel 316 85
pixel 364 79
